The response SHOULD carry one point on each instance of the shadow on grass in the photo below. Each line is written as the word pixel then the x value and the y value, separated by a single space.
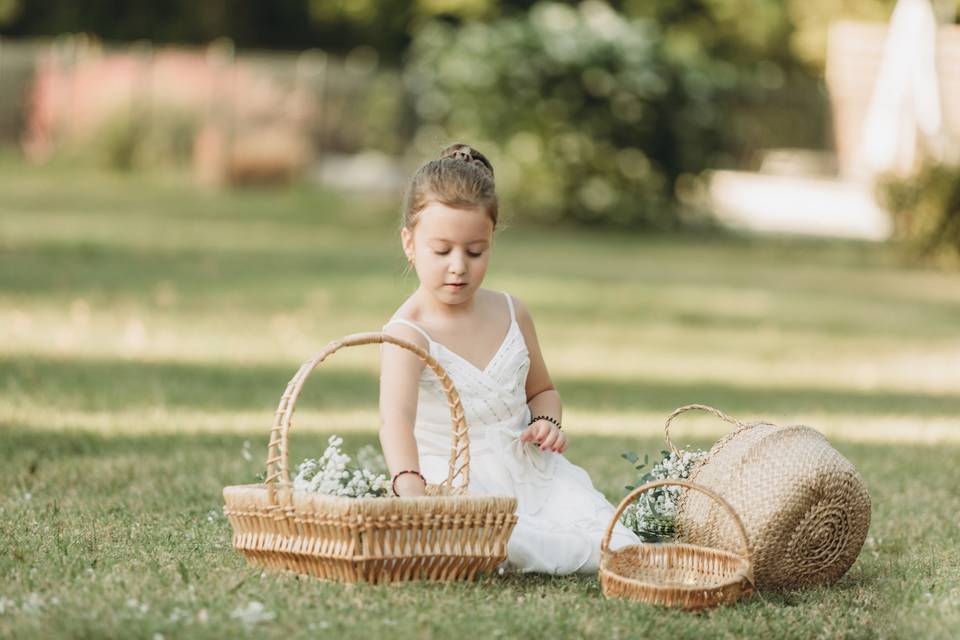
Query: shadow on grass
pixel 88 267
pixel 105 385
pixel 222 453
pixel 276 276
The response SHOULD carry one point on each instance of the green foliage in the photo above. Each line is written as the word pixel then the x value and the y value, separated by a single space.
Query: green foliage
pixel 139 138
pixel 718 27
pixel 926 211
pixel 9 9
pixel 591 117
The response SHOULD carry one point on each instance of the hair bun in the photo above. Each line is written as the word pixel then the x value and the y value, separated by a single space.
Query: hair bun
pixel 468 154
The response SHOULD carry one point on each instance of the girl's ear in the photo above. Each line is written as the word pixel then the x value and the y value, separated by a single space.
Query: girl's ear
pixel 406 239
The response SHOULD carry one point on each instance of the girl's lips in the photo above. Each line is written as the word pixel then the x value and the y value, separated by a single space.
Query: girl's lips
pixel 458 285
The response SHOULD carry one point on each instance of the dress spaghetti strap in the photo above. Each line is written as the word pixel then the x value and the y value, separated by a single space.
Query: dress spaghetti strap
pixel 411 325
pixel 513 316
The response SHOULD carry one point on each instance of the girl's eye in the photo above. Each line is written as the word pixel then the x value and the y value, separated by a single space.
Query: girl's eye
pixel 472 254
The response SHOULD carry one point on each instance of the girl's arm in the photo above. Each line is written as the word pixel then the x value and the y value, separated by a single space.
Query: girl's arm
pixel 399 385
pixel 542 397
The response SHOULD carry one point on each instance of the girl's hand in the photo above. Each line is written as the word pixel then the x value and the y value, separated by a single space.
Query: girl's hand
pixel 547 435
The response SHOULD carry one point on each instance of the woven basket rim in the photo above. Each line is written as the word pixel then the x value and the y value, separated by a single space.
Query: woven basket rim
pixel 257 488
pixel 738 576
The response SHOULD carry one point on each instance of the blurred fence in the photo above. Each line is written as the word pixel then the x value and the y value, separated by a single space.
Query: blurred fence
pixel 235 117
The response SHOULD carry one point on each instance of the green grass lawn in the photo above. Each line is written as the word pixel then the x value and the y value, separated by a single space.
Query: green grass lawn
pixel 148 329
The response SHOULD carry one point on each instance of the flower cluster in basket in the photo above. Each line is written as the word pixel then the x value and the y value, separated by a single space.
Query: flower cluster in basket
pixel 653 515
pixel 334 473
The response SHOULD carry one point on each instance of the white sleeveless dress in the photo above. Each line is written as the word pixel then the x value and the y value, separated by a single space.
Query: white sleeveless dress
pixel 561 517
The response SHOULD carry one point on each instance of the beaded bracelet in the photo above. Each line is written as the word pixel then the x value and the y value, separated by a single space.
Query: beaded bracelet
pixel 393 483
pixel 554 421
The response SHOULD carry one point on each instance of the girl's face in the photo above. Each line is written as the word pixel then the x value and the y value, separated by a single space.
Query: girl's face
pixel 450 250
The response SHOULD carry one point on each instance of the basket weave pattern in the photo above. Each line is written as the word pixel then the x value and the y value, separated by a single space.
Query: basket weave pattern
pixel 688 576
pixel 804 505
pixel 446 535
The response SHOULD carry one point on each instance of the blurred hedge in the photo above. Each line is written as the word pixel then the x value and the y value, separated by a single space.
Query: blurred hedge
pixel 593 117
pixel 926 211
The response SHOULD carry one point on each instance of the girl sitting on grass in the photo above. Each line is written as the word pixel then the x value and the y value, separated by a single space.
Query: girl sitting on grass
pixel 487 343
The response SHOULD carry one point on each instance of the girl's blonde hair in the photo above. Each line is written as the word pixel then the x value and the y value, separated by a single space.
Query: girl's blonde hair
pixel 460 177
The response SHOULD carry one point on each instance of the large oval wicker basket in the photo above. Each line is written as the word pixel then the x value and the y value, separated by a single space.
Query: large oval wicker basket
pixel 804 505
pixel 444 536
pixel 672 574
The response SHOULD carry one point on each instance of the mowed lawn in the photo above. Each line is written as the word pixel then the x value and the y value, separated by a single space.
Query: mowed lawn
pixel 147 330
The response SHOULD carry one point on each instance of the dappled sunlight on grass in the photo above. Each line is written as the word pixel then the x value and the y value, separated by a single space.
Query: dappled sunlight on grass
pixel 842 427
pixel 147 331
pixel 84 392
pixel 191 308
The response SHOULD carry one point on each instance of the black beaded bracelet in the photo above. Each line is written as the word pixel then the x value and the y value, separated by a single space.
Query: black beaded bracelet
pixel 393 483
pixel 554 421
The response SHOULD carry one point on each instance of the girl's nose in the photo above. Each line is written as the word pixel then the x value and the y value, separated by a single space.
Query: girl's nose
pixel 458 266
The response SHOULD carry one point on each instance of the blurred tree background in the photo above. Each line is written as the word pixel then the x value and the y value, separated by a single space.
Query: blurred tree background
pixel 786 29
pixel 195 196
pixel 595 112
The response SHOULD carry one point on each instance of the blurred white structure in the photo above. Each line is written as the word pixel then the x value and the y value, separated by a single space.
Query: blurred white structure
pixel 802 205
pixel 895 92
pixel 905 110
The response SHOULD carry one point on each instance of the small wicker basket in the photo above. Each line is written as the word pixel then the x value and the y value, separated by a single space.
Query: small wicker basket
pixel 674 574
pixel 804 505
pixel 444 536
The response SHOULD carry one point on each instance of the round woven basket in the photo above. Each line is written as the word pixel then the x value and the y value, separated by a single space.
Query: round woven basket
pixel 804 505
pixel 444 536
pixel 688 576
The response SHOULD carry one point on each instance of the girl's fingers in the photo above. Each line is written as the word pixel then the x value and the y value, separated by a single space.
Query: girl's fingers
pixel 549 441
pixel 561 444
pixel 543 433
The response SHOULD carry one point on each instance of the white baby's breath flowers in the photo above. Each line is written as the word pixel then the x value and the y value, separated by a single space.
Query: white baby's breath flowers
pixel 252 614
pixel 333 473
pixel 32 603
pixel 369 458
pixel 652 516
pixel 140 607
pixel 7 604
pixel 177 615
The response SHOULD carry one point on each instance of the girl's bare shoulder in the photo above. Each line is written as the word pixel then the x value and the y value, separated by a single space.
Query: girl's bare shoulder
pixel 408 312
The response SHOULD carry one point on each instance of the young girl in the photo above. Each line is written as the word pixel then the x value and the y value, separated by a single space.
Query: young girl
pixel 486 342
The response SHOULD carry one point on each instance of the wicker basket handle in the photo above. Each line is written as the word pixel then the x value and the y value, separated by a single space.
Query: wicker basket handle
pixel 278 470
pixel 690 407
pixel 745 551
